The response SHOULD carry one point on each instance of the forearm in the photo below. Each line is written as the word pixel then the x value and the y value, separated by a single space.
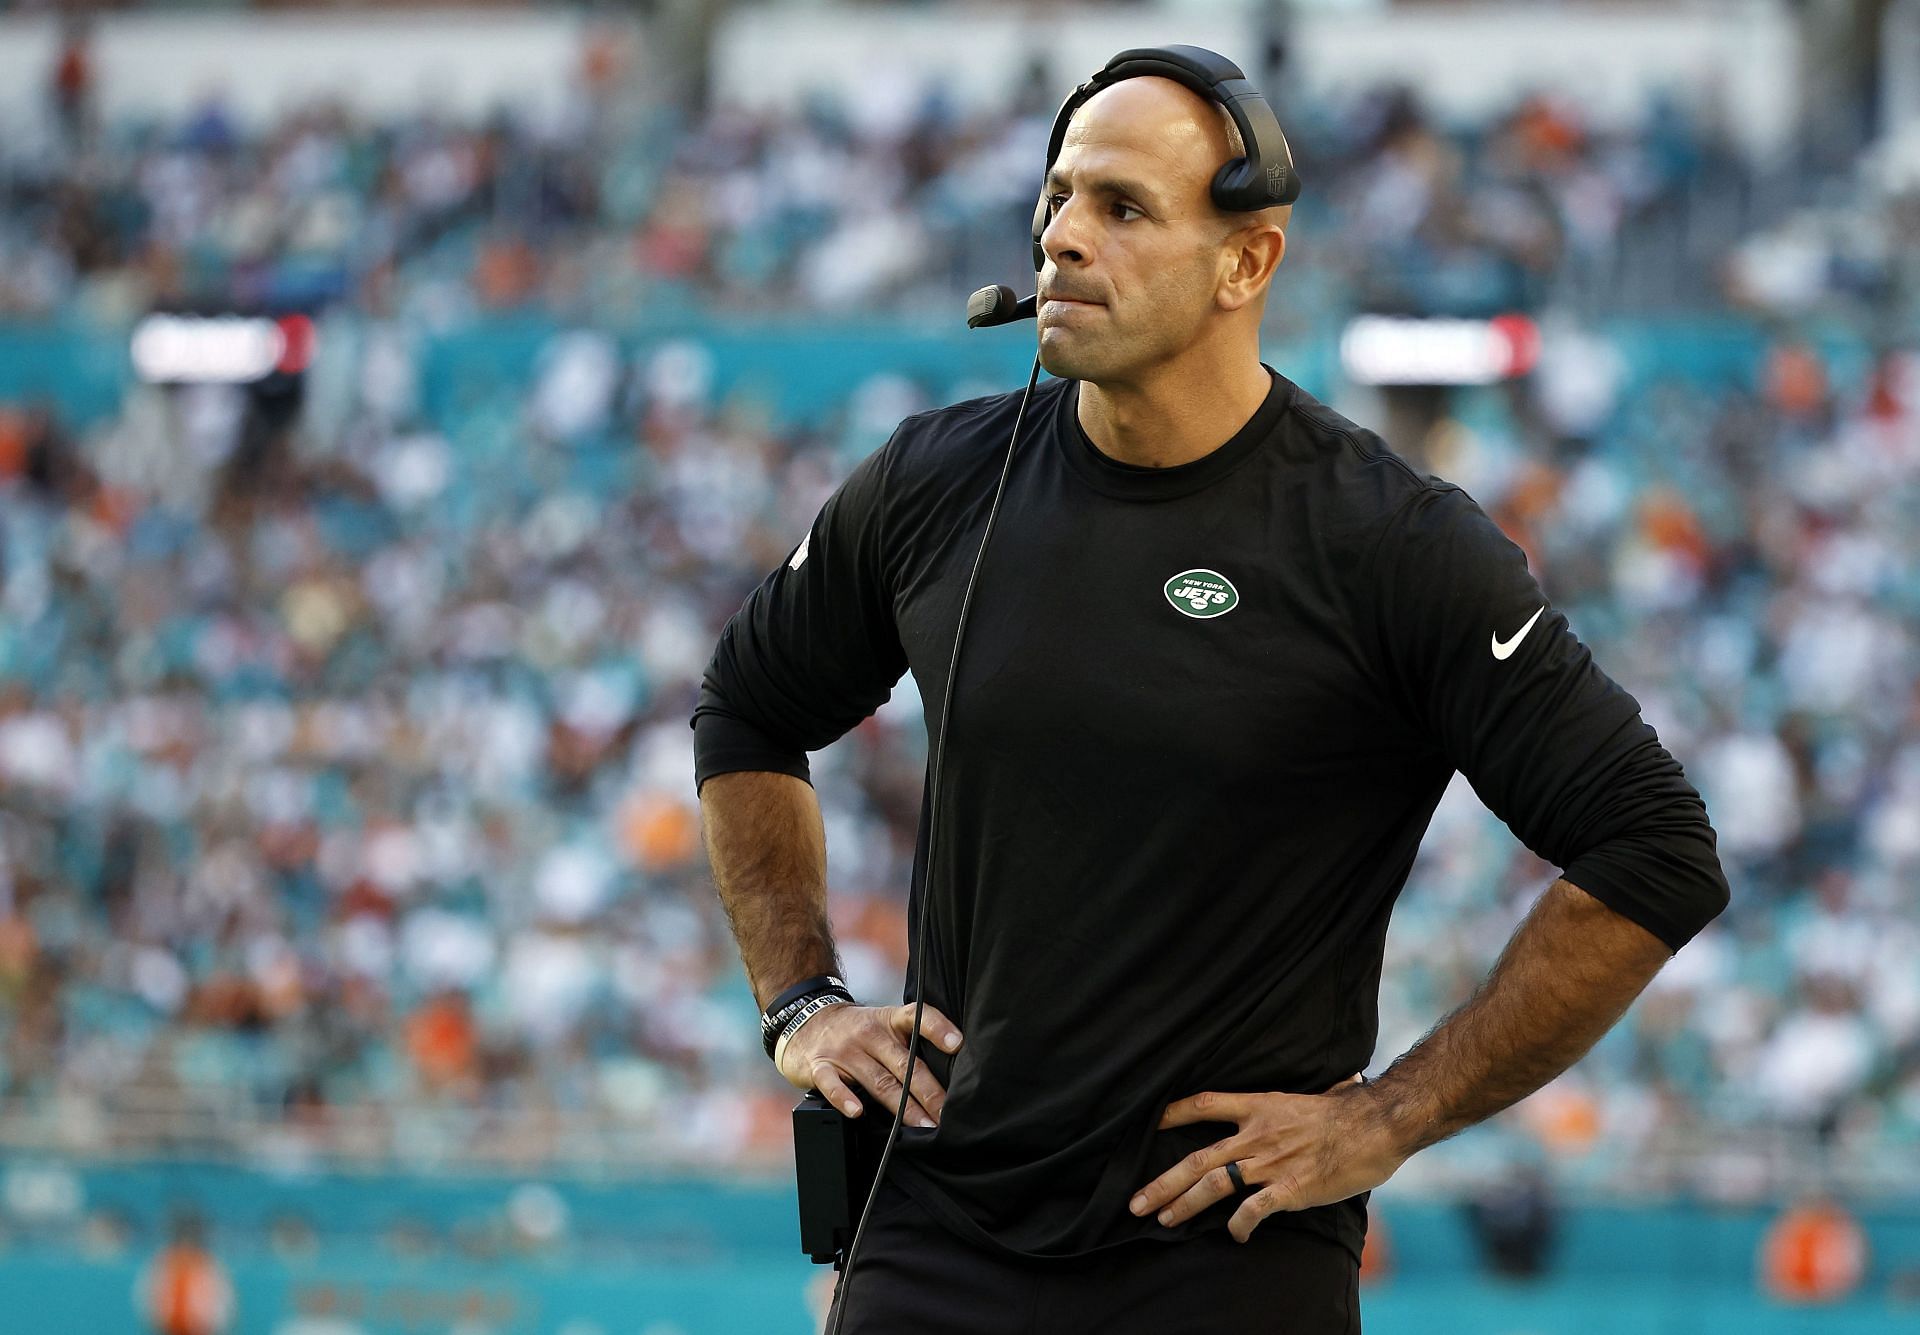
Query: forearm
pixel 1568 974
pixel 768 850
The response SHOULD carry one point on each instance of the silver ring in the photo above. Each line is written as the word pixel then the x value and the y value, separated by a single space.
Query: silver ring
pixel 1233 1176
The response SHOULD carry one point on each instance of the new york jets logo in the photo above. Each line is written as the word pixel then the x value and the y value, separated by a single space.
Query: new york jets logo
pixel 1202 593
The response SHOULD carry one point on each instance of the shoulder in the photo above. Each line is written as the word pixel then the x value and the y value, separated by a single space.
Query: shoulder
pixel 942 447
pixel 1359 488
pixel 1367 473
pixel 929 433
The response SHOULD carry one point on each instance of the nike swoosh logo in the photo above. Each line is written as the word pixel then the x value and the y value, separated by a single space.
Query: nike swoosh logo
pixel 1503 651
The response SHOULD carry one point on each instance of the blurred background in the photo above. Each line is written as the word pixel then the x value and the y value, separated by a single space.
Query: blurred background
pixel 395 400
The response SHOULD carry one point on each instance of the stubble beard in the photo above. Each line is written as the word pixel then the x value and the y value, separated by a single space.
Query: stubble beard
pixel 1078 354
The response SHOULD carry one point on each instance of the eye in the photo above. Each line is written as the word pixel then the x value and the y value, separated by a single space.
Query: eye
pixel 1120 205
pixel 1054 202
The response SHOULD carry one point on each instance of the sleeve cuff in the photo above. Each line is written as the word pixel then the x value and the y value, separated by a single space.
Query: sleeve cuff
pixel 727 744
pixel 1669 883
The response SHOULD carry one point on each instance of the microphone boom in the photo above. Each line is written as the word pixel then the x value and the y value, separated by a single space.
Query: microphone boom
pixel 997 305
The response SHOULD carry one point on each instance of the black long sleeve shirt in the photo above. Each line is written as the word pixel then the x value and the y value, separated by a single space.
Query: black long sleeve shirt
pixel 1202 718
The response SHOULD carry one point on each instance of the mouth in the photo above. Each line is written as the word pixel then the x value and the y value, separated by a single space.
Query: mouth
pixel 1054 308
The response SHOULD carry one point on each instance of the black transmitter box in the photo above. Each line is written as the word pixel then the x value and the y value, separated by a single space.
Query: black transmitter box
pixel 835 1167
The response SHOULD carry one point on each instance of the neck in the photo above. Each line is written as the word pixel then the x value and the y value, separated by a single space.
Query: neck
pixel 1174 413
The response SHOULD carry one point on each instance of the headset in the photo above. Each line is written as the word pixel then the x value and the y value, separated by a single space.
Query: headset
pixel 1261 179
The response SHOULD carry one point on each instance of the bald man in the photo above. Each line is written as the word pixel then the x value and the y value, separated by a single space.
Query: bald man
pixel 1227 650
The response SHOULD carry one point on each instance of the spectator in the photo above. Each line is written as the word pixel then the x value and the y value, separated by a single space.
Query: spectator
pixel 1813 1253
pixel 185 1290
pixel 1515 1224
pixel 71 84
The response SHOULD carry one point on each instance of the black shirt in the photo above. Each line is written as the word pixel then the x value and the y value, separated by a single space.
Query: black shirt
pixel 1204 714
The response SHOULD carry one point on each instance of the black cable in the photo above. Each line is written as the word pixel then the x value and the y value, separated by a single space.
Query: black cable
pixel 939 756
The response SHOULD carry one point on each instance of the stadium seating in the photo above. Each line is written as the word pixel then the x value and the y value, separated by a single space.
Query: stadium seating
pixel 348 807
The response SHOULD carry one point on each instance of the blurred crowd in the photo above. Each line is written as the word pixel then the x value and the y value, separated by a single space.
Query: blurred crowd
pixel 606 211
pixel 1745 560
pixel 345 777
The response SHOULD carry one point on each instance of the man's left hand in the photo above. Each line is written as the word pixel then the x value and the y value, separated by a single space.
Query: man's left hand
pixel 1298 1150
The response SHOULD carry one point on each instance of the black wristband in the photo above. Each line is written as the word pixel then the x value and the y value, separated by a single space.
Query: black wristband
pixel 806 987
pixel 782 1008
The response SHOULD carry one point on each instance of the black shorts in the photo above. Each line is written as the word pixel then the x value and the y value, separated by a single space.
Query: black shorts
pixel 915 1277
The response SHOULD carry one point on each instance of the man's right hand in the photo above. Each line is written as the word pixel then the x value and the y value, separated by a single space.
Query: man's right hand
pixel 868 1045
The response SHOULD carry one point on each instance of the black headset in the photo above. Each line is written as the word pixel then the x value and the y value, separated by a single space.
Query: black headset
pixel 1261 179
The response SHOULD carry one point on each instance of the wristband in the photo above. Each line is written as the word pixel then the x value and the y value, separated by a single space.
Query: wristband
pixel 771 1026
pixel 782 1008
pixel 774 1020
pixel 824 982
pixel 812 1007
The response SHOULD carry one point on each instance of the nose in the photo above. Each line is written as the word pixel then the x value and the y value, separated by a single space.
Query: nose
pixel 1065 239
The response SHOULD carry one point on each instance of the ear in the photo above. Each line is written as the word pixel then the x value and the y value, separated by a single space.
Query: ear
pixel 1252 254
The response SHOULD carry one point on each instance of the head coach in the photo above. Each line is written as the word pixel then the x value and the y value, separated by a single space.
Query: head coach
pixel 1227 649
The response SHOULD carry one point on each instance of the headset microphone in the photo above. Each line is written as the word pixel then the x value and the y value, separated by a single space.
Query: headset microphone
pixel 997 305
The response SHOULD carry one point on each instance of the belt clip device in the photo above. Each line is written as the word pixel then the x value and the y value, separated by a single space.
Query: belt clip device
pixel 835 1167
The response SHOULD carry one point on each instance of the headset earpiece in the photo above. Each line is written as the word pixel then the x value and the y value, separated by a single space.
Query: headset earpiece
pixel 1042 215
pixel 1265 176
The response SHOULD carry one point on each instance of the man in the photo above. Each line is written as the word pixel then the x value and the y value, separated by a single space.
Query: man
pixel 185 1290
pixel 1225 653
